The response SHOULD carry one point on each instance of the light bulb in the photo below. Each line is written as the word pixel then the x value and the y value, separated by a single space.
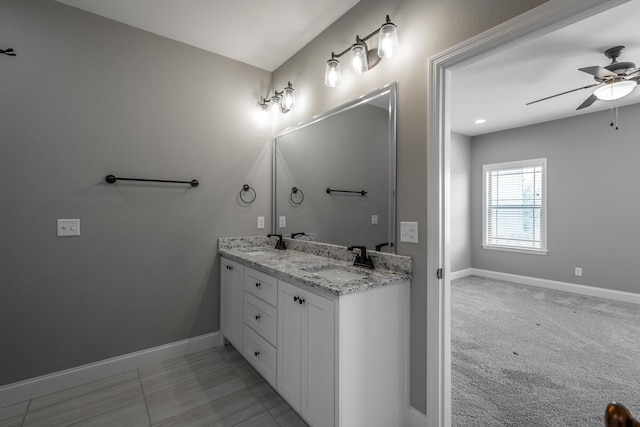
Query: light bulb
pixel 359 60
pixel 332 75
pixel 387 40
pixel 288 98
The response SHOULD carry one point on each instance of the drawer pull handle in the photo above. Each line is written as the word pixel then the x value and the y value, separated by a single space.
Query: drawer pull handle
pixel 257 284
pixel 229 267
pixel 257 353
pixel 257 317
pixel 299 300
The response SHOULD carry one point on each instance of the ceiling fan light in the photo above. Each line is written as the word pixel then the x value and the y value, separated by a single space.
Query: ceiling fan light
pixel 615 90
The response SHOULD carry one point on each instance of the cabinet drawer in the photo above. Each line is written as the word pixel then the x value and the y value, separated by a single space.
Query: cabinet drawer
pixel 261 285
pixel 261 317
pixel 260 354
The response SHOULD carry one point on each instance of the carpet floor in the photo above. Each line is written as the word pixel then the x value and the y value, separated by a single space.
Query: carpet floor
pixel 528 356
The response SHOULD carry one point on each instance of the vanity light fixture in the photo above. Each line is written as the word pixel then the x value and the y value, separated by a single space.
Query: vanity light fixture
pixel 387 47
pixel 283 100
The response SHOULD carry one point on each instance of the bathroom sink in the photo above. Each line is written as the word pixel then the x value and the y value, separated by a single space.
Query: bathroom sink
pixel 338 274
pixel 256 252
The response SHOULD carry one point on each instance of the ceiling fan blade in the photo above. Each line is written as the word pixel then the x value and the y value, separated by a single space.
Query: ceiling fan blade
pixel 598 71
pixel 587 102
pixel 563 93
pixel 633 72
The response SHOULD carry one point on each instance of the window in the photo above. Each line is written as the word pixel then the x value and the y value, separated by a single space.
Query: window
pixel 515 199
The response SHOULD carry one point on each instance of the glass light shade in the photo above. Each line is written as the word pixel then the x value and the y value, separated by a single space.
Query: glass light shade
pixel 359 60
pixel 332 75
pixel 615 90
pixel 274 104
pixel 387 41
pixel 288 98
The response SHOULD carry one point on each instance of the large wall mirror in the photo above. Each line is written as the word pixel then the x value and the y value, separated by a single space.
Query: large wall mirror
pixel 335 174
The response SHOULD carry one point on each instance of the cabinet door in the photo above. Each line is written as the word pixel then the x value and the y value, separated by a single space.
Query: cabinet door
pixel 231 303
pixel 289 343
pixel 317 399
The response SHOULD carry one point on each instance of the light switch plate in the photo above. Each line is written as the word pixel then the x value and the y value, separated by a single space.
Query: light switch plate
pixel 374 219
pixel 68 227
pixel 260 222
pixel 409 232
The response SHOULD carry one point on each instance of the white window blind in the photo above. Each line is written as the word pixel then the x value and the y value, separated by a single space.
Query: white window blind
pixel 515 211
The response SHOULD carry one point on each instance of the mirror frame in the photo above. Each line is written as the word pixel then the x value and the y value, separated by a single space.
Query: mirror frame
pixel 389 89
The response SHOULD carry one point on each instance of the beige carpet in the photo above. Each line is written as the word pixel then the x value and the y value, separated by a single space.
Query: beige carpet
pixel 528 356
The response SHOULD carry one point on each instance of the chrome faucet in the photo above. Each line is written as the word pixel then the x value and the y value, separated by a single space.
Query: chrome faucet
pixel 280 243
pixel 362 260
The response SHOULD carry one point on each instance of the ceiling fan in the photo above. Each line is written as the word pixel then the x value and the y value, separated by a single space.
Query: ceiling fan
pixel 614 81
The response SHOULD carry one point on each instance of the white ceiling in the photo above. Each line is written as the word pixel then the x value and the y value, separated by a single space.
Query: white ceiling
pixel 262 33
pixel 497 87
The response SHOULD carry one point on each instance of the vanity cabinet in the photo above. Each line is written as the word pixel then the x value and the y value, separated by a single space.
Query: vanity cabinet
pixel 231 301
pixel 261 323
pixel 339 361
pixel 306 362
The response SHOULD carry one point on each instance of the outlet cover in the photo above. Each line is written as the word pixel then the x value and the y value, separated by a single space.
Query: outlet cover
pixel 68 227
pixel 260 222
pixel 374 219
pixel 283 222
pixel 409 232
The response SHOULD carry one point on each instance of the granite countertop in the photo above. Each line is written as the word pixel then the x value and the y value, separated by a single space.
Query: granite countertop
pixel 302 268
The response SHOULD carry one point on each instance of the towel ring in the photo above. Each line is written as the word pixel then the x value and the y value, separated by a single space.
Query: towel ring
pixel 248 189
pixel 296 190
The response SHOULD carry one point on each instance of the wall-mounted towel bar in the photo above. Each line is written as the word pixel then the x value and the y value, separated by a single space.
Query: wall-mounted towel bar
pixel 112 179
pixel 362 192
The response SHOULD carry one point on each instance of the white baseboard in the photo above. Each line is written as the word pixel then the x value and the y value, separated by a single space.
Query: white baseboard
pixel 416 418
pixel 552 284
pixel 460 273
pixel 50 383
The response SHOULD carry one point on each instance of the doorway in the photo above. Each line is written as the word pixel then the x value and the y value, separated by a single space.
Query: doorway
pixel 545 18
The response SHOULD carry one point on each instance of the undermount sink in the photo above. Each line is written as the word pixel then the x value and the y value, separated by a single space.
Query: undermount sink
pixel 255 253
pixel 338 274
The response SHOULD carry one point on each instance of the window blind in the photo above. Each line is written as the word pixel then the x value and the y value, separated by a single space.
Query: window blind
pixel 514 206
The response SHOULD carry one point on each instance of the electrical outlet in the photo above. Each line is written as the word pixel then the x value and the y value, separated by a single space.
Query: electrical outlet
pixel 374 219
pixel 578 271
pixel 260 222
pixel 68 227
pixel 409 232
pixel 282 222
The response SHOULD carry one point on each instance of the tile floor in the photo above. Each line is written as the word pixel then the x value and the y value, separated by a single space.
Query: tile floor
pixel 216 387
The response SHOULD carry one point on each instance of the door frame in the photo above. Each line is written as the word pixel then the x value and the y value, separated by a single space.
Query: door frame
pixel 545 18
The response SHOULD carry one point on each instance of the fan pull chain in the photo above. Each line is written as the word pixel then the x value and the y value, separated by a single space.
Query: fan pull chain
pixel 616 120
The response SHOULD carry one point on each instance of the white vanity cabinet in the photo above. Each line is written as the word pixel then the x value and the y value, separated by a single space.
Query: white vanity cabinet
pixel 306 362
pixel 261 323
pixel 339 361
pixel 231 301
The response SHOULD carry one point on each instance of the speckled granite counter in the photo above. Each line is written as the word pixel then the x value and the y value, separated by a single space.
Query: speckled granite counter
pixel 302 260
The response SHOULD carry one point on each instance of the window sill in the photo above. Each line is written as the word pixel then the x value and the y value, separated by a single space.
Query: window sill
pixel 516 250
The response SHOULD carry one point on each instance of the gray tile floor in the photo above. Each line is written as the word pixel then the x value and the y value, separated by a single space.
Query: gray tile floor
pixel 216 387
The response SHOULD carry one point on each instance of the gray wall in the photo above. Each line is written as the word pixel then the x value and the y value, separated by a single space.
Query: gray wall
pixel 460 220
pixel 425 28
pixel 347 151
pixel 592 190
pixel 86 97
